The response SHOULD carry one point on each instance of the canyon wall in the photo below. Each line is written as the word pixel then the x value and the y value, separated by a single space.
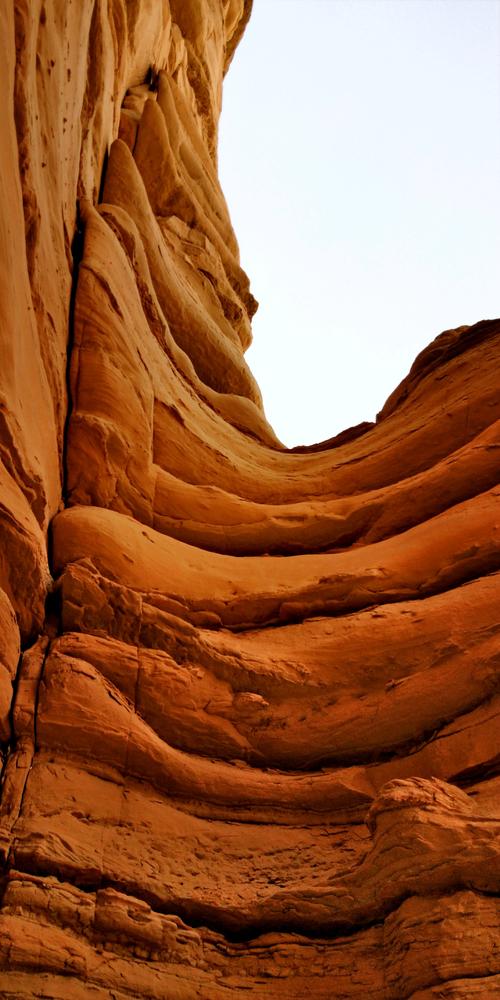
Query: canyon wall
pixel 249 696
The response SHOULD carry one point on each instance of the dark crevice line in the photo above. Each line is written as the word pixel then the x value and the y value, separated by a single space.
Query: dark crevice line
pixel 477 774
pixel 103 177
pixel 202 916
pixel 345 612
pixel 77 248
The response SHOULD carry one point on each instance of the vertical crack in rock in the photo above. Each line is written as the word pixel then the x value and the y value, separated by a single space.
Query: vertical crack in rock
pixel 249 700
pixel 77 245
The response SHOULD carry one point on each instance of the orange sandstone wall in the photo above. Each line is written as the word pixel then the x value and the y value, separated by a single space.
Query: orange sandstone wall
pixel 249 696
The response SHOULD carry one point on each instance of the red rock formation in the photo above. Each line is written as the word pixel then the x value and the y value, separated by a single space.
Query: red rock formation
pixel 248 696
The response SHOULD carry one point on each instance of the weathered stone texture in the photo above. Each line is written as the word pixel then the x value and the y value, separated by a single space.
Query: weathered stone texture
pixel 249 696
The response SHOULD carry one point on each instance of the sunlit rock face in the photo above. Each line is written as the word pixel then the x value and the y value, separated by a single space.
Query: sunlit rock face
pixel 248 696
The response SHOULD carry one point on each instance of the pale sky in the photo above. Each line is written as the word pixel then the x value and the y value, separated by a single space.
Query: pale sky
pixel 360 158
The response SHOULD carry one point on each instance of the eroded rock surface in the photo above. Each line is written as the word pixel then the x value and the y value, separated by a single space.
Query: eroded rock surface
pixel 249 696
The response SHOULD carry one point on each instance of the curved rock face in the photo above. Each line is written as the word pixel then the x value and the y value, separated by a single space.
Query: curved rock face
pixel 249 696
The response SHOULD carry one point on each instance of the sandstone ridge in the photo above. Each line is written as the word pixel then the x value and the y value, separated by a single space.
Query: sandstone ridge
pixel 249 695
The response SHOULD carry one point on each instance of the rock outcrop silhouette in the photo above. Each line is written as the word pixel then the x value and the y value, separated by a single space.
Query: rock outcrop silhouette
pixel 249 696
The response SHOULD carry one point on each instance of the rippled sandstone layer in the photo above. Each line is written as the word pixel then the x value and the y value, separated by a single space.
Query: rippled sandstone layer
pixel 249 697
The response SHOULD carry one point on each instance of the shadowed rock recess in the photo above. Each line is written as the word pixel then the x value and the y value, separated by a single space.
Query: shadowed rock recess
pixel 249 696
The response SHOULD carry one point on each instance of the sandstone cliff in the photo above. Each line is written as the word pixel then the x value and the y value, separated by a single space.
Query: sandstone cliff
pixel 249 696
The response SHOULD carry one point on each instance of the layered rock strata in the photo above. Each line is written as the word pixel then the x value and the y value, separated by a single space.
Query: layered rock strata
pixel 249 696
